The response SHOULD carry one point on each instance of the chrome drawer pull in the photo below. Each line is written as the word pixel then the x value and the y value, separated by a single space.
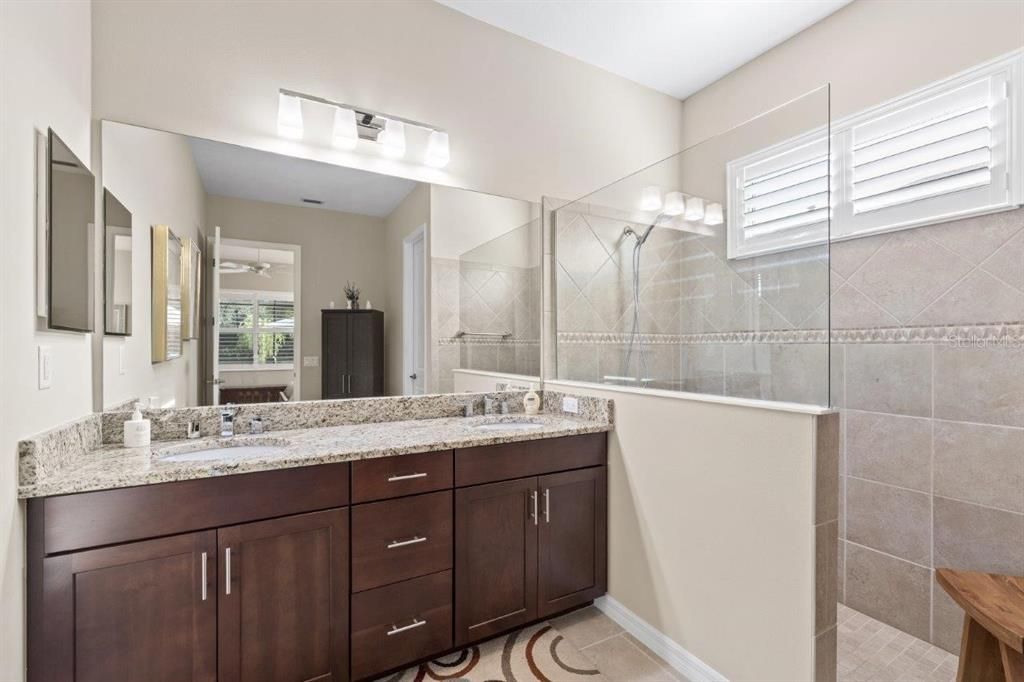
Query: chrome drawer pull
pixel 547 505
pixel 403 543
pixel 203 577
pixel 227 570
pixel 416 622
pixel 406 477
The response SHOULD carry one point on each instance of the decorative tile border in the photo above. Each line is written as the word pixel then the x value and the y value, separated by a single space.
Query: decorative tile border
pixel 971 334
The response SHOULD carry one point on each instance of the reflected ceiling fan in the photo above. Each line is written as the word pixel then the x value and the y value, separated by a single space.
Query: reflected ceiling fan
pixel 258 267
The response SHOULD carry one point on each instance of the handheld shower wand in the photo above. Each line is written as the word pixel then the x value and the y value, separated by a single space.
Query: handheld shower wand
pixel 634 336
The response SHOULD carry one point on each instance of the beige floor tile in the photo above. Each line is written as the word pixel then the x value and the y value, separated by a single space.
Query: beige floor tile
pixel 620 660
pixel 657 659
pixel 586 626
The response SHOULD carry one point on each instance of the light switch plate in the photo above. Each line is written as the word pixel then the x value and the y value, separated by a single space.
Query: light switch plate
pixel 311 361
pixel 45 367
pixel 570 404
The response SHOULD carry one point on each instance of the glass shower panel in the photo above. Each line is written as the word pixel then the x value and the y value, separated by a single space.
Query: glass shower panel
pixel 707 272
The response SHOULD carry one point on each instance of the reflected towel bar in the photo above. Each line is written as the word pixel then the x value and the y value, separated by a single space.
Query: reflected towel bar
pixel 499 335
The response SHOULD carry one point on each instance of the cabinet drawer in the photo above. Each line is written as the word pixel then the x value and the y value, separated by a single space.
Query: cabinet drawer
pixel 400 539
pixel 399 624
pixel 387 477
pixel 489 463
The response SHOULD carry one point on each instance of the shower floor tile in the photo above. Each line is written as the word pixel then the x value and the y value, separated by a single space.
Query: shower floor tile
pixel 871 651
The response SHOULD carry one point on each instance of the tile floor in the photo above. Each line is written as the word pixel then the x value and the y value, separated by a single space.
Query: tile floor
pixel 871 651
pixel 616 653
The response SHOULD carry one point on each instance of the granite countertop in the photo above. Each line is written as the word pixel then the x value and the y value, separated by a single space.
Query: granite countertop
pixel 112 466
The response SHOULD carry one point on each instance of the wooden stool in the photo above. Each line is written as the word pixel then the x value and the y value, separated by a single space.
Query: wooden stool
pixel 992 646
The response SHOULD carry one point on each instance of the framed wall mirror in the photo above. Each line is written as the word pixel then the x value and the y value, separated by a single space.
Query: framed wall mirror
pixel 192 275
pixel 70 204
pixel 167 291
pixel 117 264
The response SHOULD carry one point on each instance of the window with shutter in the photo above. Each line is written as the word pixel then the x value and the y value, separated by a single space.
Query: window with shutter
pixel 950 150
pixel 257 330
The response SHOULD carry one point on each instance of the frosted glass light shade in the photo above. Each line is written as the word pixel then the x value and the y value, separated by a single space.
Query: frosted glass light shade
pixel 392 138
pixel 438 153
pixel 650 198
pixel 694 209
pixel 713 215
pixel 675 204
pixel 289 116
pixel 345 134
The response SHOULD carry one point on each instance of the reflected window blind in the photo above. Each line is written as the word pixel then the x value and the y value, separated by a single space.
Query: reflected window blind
pixel 256 331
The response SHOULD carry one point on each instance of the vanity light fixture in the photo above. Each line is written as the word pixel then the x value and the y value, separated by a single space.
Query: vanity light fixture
pixel 650 198
pixel 438 154
pixel 353 123
pixel 713 214
pixel 694 209
pixel 675 204
pixel 289 116
pixel 345 134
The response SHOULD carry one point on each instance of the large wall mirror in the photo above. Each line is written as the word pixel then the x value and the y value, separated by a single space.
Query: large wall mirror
pixel 117 264
pixel 320 281
pixel 70 238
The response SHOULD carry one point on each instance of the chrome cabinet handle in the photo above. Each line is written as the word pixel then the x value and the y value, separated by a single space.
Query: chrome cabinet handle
pixel 416 622
pixel 547 505
pixel 405 477
pixel 227 570
pixel 533 496
pixel 404 543
pixel 202 576
pixel 348 383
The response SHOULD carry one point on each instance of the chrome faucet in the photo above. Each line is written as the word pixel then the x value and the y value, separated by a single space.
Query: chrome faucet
pixel 467 409
pixel 256 424
pixel 227 421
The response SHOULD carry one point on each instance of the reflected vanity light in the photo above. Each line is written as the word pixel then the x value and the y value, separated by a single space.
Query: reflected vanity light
pixel 393 139
pixel 713 214
pixel 650 198
pixel 438 154
pixel 345 134
pixel 675 204
pixel 694 209
pixel 289 116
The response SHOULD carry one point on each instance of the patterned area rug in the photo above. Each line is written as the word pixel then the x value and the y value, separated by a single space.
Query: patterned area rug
pixel 538 652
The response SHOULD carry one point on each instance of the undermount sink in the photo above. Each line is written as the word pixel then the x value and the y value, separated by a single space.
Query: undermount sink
pixel 223 449
pixel 507 424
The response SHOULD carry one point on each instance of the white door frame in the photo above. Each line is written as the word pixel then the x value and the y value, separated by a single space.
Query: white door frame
pixel 408 319
pixel 296 298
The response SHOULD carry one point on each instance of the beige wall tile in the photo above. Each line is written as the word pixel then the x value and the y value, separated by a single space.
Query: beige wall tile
pixel 978 297
pixel 1008 262
pixel 893 520
pixel 978 538
pixel 853 310
pixel 889 449
pixel 825 663
pixel 826 462
pixel 848 256
pixel 947 620
pixel 981 464
pixel 984 385
pixel 890 589
pixel 976 238
pixel 826 572
pixel 889 378
pixel 841 571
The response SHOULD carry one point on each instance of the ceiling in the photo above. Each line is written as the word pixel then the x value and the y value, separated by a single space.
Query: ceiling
pixel 673 46
pixel 250 254
pixel 232 171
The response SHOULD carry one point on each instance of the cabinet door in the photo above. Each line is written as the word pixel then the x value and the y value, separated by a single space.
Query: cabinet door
pixel 139 611
pixel 365 355
pixel 283 599
pixel 495 558
pixel 573 539
pixel 334 363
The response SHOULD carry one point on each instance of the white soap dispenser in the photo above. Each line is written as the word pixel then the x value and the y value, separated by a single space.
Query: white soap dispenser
pixel 531 402
pixel 136 430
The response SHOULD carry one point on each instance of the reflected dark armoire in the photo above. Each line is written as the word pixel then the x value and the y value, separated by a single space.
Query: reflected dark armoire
pixel 353 353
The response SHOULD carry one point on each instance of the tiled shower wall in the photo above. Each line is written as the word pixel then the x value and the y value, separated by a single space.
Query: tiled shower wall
pixel 927 366
pixel 481 297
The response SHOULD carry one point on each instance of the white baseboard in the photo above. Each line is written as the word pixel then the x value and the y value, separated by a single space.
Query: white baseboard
pixel 676 656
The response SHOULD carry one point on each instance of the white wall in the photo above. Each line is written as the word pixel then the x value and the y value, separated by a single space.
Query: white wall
pixel 44 82
pixel 154 175
pixel 524 120
pixel 464 220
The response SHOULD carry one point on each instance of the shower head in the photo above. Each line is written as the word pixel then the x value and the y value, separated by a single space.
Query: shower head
pixel 641 238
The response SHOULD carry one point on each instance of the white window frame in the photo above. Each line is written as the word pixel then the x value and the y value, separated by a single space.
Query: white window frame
pixel 1004 192
pixel 253 297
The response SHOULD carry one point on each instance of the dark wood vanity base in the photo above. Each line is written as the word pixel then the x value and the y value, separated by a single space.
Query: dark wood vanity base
pixel 351 570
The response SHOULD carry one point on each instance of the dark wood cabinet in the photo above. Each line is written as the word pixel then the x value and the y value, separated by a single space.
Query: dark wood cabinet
pixel 495 558
pixel 571 556
pixel 141 611
pixel 352 346
pixel 283 599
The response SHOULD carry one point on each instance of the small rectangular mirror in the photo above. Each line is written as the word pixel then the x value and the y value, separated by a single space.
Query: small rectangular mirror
pixel 167 291
pixel 117 263
pixel 70 204
pixel 192 269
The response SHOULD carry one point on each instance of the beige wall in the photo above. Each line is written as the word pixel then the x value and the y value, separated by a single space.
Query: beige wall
pixel 44 82
pixel 870 51
pixel 336 248
pixel 524 120
pixel 153 174
pixel 407 216
pixel 710 529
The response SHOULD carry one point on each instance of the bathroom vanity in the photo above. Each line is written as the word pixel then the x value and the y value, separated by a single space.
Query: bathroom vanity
pixel 333 571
